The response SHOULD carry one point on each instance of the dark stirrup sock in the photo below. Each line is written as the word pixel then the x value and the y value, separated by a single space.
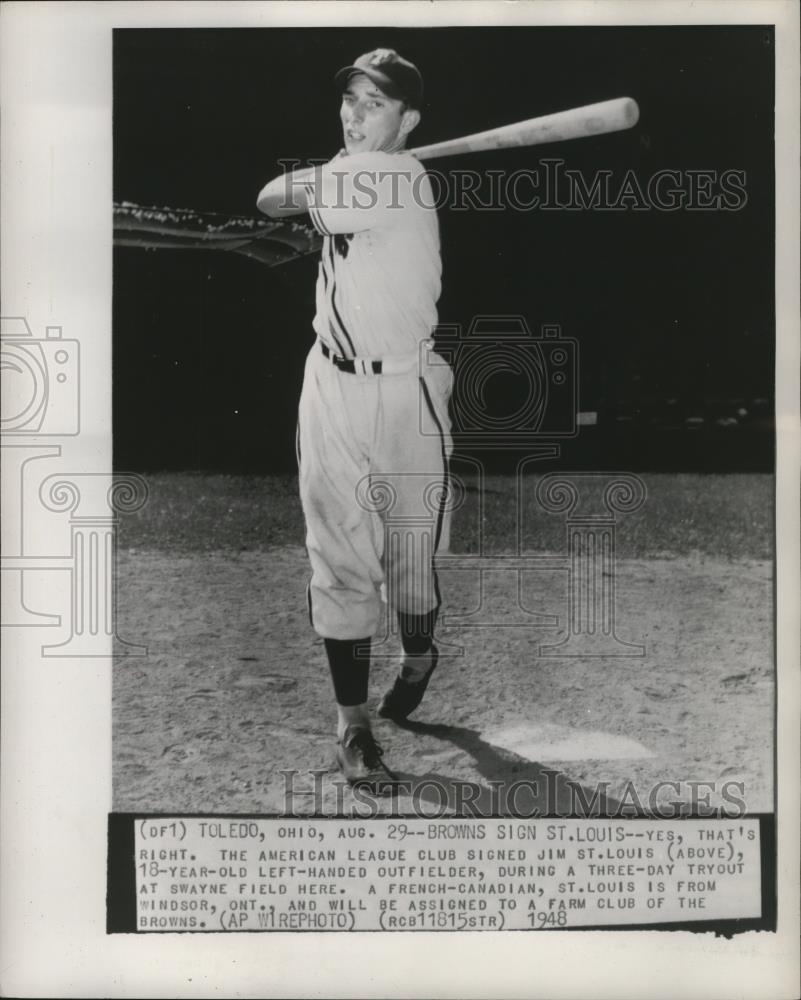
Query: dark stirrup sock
pixel 349 673
pixel 417 632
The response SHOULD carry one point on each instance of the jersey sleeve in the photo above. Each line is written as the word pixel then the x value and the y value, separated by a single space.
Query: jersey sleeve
pixel 365 191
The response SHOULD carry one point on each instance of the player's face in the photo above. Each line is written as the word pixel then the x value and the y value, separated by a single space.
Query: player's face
pixel 372 121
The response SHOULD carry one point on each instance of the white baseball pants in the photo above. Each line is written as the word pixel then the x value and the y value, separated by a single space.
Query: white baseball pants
pixel 373 455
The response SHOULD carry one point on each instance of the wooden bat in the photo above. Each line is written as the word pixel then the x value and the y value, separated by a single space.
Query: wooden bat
pixel 591 119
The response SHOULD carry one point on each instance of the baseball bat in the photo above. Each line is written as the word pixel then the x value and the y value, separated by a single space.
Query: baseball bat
pixel 576 123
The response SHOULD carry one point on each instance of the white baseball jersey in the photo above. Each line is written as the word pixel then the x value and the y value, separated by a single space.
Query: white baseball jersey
pixel 379 273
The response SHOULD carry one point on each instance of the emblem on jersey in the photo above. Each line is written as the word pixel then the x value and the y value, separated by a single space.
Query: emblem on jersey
pixel 342 243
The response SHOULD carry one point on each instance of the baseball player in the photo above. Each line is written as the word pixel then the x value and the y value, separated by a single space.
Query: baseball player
pixel 373 429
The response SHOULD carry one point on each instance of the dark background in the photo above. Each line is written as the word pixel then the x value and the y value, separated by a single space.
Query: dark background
pixel 673 311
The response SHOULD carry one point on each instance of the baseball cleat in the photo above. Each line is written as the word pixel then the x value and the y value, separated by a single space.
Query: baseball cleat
pixel 405 694
pixel 360 759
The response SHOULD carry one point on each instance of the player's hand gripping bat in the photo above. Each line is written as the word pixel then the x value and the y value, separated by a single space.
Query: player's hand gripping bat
pixel 591 119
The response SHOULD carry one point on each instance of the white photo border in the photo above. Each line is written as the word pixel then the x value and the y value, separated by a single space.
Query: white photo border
pixel 56 722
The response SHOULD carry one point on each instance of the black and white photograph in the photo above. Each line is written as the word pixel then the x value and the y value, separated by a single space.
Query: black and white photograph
pixel 534 429
pixel 420 514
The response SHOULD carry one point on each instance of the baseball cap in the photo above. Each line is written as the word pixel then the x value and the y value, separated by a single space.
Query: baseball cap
pixel 396 76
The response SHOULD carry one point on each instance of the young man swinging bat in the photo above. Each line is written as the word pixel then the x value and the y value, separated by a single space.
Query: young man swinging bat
pixel 374 432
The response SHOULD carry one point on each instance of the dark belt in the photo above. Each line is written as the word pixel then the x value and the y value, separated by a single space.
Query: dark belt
pixel 347 365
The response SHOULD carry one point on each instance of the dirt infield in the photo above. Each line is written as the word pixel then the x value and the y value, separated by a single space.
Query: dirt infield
pixel 235 689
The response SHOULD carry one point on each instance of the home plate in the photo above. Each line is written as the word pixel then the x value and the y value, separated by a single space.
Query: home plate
pixel 548 742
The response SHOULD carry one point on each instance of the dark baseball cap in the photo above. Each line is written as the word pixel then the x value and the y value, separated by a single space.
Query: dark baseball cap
pixel 396 76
